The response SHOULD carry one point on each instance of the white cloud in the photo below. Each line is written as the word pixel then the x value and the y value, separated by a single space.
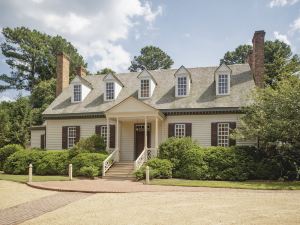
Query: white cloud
pixel 281 37
pixel 94 27
pixel 6 99
pixel 187 35
pixel 281 3
pixel 295 26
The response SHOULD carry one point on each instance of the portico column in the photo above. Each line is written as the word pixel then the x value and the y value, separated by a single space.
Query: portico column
pixel 145 132
pixel 108 133
pixel 156 133
pixel 117 131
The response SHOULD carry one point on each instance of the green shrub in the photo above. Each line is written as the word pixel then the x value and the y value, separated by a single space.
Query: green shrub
pixel 18 162
pixel 89 171
pixel 94 143
pixel 173 149
pixel 53 163
pixel 86 160
pixel 159 168
pixel 8 150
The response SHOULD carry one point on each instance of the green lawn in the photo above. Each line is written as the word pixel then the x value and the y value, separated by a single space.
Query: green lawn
pixel 257 185
pixel 24 178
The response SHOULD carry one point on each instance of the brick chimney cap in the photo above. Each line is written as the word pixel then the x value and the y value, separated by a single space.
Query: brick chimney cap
pixel 64 55
pixel 260 32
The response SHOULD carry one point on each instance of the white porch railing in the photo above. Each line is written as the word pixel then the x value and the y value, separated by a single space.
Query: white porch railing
pixel 110 160
pixel 146 154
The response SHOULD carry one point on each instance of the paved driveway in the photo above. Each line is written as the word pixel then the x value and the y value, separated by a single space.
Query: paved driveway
pixel 208 206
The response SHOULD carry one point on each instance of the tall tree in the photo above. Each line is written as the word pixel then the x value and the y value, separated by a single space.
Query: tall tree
pixel 280 62
pixel 31 55
pixel 105 71
pixel 151 58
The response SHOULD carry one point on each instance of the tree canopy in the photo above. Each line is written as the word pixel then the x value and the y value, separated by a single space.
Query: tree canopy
pixel 31 55
pixel 280 62
pixel 274 115
pixel 105 71
pixel 151 58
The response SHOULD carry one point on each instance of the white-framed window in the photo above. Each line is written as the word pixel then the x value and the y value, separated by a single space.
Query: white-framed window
pixel 223 84
pixel 104 133
pixel 223 134
pixel 110 91
pixel 77 92
pixel 179 130
pixel 71 136
pixel 145 88
pixel 182 86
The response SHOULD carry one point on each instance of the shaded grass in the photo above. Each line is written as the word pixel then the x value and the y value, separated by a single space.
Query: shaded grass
pixel 24 178
pixel 256 185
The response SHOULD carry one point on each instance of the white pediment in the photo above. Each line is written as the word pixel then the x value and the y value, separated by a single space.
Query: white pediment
pixel 223 68
pixel 131 105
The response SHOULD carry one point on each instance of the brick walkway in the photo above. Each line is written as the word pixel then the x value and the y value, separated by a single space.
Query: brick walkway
pixel 32 209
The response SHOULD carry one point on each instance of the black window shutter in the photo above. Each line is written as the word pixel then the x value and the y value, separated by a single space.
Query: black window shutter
pixel 112 136
pixel 171 127
pixel 214 134
pixel 77 134
pixel 98 129
pixel 232 126
pixel 188 130
pixel 64 137
pixel 42 141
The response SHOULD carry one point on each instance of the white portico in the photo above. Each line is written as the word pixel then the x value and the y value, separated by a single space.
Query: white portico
pixel 137 129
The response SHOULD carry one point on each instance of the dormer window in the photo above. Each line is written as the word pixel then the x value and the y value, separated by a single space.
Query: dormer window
pixel 110 91
pixel 222 80
pixel 182 86
pixel 77 93
pixel 145 88
pixel 183 82
pixel 147 84
pixel 223 87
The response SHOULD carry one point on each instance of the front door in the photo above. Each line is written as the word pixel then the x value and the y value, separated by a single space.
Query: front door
pixel 139 136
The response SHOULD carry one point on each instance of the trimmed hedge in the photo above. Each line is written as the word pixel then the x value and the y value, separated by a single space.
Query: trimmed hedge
pixel 159 168
pixel 18 162
pixel 8 150
pixel 53 163
pixel 81 160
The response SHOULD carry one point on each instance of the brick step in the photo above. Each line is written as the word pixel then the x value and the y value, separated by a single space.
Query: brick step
pixel 119 174
pixel 117 170
pixel 119 178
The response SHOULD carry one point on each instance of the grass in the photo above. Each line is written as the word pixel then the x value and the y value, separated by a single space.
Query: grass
pixel 256 185
pixel 24 178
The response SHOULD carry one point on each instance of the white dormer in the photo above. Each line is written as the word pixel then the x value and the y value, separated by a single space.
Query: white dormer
pixel 183 82
pixel 112 87
pixel 147 84
pixel 80 89
pixel 222 79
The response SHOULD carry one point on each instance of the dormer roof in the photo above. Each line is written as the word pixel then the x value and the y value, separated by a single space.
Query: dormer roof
pixel 111 76
pixel 183 70
pixel 146 73
pixel 79 79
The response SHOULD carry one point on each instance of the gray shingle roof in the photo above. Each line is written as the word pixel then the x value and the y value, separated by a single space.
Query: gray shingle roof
pixel 202 94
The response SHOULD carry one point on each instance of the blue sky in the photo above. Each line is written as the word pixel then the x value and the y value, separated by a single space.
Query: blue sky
pixel 109 33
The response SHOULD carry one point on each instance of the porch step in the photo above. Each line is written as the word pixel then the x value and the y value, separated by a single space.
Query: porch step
pixel 121 171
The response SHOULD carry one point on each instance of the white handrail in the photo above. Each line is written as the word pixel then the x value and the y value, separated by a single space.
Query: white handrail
pixel 109 161
pixel 141 159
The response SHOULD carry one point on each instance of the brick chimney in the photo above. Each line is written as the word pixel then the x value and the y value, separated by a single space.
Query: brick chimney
pixel 257 56
pixel 80 71
pixel 62 72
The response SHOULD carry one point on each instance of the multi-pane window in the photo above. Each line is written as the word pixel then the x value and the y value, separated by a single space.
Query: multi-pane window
pixel 110 91
pixel 104 132
pixel 77 93
pixel 145 88
pixel 223 134
pixel 181 86
pixel 223 84
pixel 179 130
pixel 71 136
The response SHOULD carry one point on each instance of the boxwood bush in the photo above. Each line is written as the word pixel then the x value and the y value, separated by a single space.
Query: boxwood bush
pixel 18 162
pixel 87 160
pixel 53 163
pixel 159 168
pixel 8 150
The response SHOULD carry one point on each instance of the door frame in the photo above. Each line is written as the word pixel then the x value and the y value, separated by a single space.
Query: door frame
pixel 135 139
